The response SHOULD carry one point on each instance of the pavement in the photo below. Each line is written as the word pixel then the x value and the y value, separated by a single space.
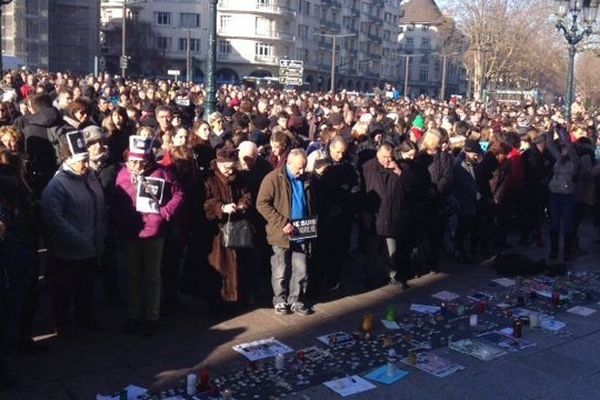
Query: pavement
pixel 557 368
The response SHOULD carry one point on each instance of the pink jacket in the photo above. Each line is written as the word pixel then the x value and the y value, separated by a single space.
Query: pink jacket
pixel 132 224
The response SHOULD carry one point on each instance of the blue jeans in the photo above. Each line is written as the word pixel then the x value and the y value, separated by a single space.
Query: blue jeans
pixel 289 277
pixel 561 209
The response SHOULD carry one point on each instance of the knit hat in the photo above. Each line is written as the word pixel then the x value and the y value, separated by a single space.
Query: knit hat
pixel 140 148
pixel 214 117
pixel 77 149
pixel 418 122
pixel 93 133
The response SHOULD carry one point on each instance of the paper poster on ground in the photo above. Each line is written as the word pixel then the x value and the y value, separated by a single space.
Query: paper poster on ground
pixel 260 349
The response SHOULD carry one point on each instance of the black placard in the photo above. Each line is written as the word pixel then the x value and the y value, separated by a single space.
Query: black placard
pixel 304 228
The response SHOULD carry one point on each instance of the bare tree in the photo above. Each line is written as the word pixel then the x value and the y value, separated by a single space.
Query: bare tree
pixel 588 77
pixel 511 42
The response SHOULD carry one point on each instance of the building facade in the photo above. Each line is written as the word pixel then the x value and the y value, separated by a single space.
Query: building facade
pixel 253 35
pixel 59 35
pixel 424 44
pixel 25 31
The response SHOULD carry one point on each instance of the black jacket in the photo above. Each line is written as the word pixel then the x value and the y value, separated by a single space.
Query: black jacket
pixel 386 195
pixel 40 152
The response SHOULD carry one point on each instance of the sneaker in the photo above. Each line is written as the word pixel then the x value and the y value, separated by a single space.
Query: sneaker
pixel 281 309
pixel 300 308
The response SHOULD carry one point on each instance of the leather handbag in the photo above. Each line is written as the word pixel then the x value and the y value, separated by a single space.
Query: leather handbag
pixel 237 234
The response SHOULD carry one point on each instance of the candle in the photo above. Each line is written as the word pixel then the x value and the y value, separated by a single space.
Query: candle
pixel 368 323
pixel 279 361
pixel 534 320
pixel 192 384
pixel 473 320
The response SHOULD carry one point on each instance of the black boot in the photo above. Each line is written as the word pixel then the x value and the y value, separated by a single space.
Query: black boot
pixel 554 246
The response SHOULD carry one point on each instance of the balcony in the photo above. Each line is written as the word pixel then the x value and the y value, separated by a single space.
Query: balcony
pixel 330 25
pixel 266 59
pixel 285 36
pixel 331 3
pixel 273 8
pixel 325 45
pixel 257 34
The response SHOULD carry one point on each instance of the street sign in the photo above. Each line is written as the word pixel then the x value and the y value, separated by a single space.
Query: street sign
pixel 123 62
pixel 291 72
pixel 174 72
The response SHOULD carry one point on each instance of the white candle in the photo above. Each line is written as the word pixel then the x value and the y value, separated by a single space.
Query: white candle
pixel 192 384
pixel 279 360
pixel 473 320
pixel 534 321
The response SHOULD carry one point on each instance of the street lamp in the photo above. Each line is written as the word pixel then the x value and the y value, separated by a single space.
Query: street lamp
pixel 211 99
pixel 334 37
pixel 2 3
pixel 575 19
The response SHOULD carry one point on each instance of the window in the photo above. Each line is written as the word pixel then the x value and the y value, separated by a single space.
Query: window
pixel 32 28
pixel 194 45
pixel 410 44
pixel 303 31
pixel 224 47
pixel 263 49
pixel 400 29
pixel 423 75
pixel 32 6
pixel 163 18
pixel 225 22
pixel 425 28
pixel 425 43
pixel 302 54
pixel 304 7
pixel 424 60
pixel 386 35
pixel 163 43
pixel 189 20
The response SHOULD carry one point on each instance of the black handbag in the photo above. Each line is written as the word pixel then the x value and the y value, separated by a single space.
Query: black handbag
pixel 237 234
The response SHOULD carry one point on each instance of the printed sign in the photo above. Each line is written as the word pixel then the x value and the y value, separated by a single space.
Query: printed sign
pixel 305 228
pixel 149 195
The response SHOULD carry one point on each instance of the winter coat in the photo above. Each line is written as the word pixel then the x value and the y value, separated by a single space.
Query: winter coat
pixel 221 190
pixel 132 224
pixel 565 171
pixel 274 203
pixel 465 186
pixel 40 152
pixel 73 210
pixel 386 195
pixel 537 170
pixel 585 188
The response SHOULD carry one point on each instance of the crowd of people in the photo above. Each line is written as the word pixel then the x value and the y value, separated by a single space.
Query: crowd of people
pixel 129 178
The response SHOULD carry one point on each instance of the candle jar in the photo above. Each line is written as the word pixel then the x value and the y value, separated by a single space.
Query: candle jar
pixel 367 324
pixel 473 320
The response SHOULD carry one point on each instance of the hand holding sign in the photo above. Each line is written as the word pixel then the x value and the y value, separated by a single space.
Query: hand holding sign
pixel 288 229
